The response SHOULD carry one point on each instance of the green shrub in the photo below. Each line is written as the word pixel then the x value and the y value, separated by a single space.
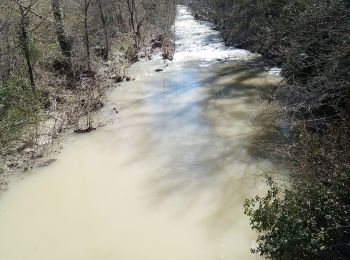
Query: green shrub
pixel 20 108
pixel 35 52
pixel 309 220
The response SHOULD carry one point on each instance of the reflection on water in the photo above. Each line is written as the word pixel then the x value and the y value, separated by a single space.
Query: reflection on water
pixel 165 180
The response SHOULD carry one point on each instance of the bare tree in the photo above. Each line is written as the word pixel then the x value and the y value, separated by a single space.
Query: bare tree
pixel 5 49
pixel 63 40
pixel 86 6
pixel 133 16
pixel 24 38
pixel 62 37
pixel 105 28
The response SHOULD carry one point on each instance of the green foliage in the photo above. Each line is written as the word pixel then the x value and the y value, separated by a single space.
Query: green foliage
pixel 20 108
pixel 309 220
pixel 35 52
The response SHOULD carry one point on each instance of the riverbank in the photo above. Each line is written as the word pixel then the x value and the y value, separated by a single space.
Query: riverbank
pixel 70 111
pixel 53 73
pixel 66 112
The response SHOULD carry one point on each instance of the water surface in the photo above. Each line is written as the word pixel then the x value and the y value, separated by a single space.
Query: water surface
pixel 165 179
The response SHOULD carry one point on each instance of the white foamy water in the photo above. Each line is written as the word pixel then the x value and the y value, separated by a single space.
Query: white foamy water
pixel 166 179
pixel 197 41
pixel 275 71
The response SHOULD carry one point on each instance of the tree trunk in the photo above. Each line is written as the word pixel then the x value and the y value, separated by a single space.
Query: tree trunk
pixel 133 21
pixel 24 40
pixel 131 12
pixel 7 69
pixel 105 30
pixel 87 37
pixel 63 39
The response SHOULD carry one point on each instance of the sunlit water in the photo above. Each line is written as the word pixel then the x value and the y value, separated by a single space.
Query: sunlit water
pixel 164 180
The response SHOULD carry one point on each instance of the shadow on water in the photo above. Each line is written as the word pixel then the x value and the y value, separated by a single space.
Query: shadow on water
pixel 207 159
pixel 201 125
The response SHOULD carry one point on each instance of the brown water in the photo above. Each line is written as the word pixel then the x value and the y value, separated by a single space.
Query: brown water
pixel 164 180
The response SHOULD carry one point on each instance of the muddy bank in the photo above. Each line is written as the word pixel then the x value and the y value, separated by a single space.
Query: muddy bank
pixel 78 110
pixel 67 111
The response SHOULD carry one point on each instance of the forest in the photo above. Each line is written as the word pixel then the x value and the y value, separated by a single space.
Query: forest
pixel 310 42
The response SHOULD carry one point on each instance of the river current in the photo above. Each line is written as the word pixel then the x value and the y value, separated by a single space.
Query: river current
pixel 165 179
